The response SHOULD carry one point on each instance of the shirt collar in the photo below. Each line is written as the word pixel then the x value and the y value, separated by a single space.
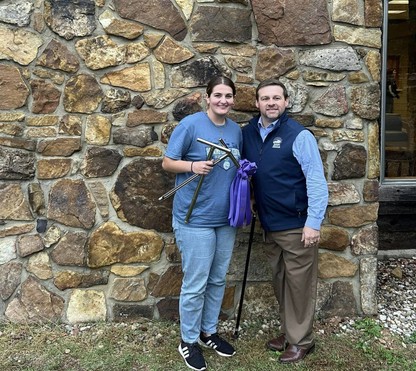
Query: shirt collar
pixel 270 127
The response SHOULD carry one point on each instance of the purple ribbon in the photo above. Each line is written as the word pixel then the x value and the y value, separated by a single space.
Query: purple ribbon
pixel 240 208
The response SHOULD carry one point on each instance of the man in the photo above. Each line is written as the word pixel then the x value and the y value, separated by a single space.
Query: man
pixel 290 196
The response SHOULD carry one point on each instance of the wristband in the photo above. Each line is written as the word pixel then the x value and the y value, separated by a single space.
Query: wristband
pixel 192 163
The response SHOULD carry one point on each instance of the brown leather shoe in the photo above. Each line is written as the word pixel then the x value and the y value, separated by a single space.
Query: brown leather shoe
pixel 278 344
pixel 293 353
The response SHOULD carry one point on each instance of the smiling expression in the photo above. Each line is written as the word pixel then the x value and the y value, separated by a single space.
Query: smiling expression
pixel 271 103
pixel 220 102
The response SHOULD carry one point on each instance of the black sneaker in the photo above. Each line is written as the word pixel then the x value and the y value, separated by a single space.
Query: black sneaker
pixel 192 355
pixel 214 341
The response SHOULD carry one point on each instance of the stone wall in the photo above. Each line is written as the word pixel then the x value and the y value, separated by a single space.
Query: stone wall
pixel 89 94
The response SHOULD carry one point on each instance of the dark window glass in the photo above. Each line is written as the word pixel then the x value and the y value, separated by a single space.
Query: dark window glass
pixel 400 91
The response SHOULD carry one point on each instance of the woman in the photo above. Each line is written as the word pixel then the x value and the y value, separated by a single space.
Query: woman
pixel 206 240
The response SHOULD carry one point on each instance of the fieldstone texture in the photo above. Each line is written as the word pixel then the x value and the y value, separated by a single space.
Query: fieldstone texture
pixel 19 44
pixel 13 204
pixel 52 236
pixel 197 73
pixel 171 52
pixel 168 309
pixel 7 249
pixel 342 301
pixel 109 245
pixel 10 278
pixel 333 59
pixel 131 312
pixel 187 106
pixel 71 249
pixel 70 279
pixel 120 27
pixel 100 52
pixel 36 199
pixel 86 306
pixel 342 194
pixel 100 162
pixel 90 92
pixel 332 266
pixel 59 147
pixel 13 90
pixel 163 98
pixel 40 266
pixel 159 14
pixel 350 162
pixel 365 101
pixel 280 22
pixel 138 205
pixel 45 97
pixel 358 36
pixel 16 230
pixel 82 94
pixel 146 116
pixel 136 78
pixel 274 62
pixel 115 100
pixel 332 102
pixel 70 19
pixel 17 13
pixel 128 270
pixel 365 241
pixel 368 283
pixel 169 283
pixel 99 192
pixel 71 204
pixel 58 57
pixel 53 168
pixel 140 137
pixel 16 164
pixel 354 216
pixel 204 17
pixel 29 244
pixel 129 289
pixel 334 238
pixel 34 303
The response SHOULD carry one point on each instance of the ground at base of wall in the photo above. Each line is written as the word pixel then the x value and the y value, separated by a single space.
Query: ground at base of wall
pixel 376 343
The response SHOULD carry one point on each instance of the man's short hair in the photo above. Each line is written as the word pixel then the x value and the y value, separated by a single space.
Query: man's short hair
pixel 271 82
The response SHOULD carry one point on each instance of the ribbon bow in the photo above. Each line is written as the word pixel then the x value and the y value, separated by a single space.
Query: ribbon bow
pixel 240 210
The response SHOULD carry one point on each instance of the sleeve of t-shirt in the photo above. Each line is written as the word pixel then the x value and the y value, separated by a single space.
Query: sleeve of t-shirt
pixel 179 142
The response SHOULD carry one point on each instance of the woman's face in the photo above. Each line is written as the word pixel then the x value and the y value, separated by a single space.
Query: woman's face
pixel 221 100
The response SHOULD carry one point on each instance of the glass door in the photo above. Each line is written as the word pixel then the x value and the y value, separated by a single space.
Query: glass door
pixel 400 93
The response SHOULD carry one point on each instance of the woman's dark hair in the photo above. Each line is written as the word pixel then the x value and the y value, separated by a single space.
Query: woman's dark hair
pixel 218 80
pixel 271 82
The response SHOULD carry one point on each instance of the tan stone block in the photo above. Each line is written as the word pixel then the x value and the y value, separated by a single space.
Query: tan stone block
pixel 53 168
pixel 353 216
pixel 109 244
pixel 333 266
pixel 136 78
pixel 40 266
pixel 86 306
pixel 129 289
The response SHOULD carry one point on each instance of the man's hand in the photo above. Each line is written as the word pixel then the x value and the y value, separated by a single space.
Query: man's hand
pixel 310 237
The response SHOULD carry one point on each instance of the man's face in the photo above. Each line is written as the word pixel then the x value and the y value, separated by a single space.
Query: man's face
pixel 271 103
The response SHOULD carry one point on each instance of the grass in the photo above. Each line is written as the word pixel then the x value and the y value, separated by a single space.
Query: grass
pixel 152 346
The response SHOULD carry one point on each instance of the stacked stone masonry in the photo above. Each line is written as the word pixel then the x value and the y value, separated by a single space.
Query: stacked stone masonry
pixel 90 92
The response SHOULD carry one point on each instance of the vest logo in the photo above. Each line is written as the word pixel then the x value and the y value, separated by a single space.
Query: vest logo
pixel 277 142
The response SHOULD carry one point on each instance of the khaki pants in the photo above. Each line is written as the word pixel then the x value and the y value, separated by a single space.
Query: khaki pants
pixel 295 276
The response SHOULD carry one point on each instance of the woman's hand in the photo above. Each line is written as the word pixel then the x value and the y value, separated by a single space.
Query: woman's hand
pixel 202 167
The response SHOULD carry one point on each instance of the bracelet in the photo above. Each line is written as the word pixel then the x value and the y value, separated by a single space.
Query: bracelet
pixel 192 163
